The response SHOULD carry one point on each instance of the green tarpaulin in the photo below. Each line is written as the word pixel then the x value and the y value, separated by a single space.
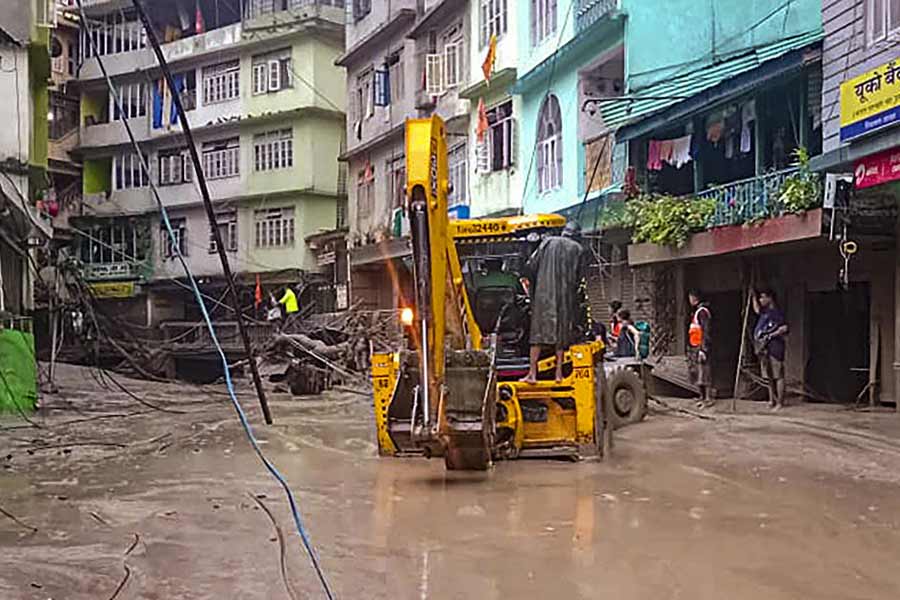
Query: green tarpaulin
pixel 18 373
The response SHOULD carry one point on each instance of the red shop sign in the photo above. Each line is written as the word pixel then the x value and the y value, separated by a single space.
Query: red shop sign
pixel 877 169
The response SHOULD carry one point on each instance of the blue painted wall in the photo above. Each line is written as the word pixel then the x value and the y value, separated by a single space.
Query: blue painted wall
pixel 679 36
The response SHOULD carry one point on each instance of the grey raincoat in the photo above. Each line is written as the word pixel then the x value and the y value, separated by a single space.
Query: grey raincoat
pixel 557 270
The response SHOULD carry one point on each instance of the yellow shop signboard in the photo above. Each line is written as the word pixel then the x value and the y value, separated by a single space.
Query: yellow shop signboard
pixel 871 101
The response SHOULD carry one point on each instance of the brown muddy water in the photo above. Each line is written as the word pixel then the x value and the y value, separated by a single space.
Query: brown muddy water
pixel 802 505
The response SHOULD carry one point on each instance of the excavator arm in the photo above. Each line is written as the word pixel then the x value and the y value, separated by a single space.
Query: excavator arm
pixel 450 396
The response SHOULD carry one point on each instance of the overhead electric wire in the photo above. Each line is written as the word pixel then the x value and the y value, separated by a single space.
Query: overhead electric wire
pixel 295 512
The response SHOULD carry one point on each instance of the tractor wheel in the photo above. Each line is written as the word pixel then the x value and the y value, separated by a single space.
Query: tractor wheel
pixel 628 399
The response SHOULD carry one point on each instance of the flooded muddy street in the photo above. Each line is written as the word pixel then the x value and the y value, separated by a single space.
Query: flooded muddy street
pixel 157 505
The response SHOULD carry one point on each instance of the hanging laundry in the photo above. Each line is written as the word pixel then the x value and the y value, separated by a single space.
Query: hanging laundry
pixel 681 151
pixel 748 116
pixel 665 151
pixel 653 162
pixel 729 146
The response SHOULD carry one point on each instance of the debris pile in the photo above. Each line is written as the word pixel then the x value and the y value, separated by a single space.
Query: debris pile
pixel 330 349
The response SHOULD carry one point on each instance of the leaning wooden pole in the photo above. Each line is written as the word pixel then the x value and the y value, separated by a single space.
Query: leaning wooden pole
pixel 740 361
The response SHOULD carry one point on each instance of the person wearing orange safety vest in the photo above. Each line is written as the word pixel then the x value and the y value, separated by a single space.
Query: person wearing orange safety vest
pixel 698 350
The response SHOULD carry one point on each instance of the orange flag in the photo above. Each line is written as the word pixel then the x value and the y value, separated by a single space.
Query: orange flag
pixel 259 296
pixel 483 125
pixel 487 67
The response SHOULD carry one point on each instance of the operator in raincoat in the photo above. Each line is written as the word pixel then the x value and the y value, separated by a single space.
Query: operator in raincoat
pixel 557 268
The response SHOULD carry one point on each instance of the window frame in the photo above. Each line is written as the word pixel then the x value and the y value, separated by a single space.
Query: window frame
pixel 493 20
pixel 273 150
pixel 174 166
pixel 458 174
pixel 229 221
pixel 221 82
pixel 544 20
pixel 218 155
pixel 262 68
pixel 504 126
pixel 124 168
pixel 167 248
pixel 274 227
pixel 549 145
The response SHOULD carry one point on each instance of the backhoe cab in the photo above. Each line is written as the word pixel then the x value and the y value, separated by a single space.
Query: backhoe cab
pixel 456 392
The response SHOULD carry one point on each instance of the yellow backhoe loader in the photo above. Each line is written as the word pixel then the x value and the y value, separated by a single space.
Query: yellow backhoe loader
pixel 455 390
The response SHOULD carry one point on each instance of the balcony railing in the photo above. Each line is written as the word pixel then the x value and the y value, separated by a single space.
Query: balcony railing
pixel 748 199
pixel 589 12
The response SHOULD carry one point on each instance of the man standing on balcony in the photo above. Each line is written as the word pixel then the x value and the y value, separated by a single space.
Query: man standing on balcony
pixel 768 339
pixel 698 351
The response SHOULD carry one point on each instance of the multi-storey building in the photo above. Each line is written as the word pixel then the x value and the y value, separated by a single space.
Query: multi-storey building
pixel 403 60
pixel 265 102
pixel 24 73
pixel 861 141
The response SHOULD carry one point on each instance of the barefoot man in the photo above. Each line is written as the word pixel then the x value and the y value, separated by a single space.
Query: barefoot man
pixel 556 268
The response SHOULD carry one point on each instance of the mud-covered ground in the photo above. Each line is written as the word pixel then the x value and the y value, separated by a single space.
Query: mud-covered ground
pixel 111 499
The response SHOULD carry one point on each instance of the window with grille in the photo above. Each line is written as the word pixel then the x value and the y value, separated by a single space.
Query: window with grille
pixel 273 150
pixel 128 173
pixel 274 227
pixel 221 158
pixel 549 157
pixel 174 166
pixel 364 102
pixel 395 76
pixel 221 82
pixel 492 19
pixel 116 33
pixel 457 160
pixel 170 248
pixel 497 151
pixel 365 193
pixel 883 20
pixel 114 242
pixel 132 98
pixel 444 62
pixel 272 72
pixel 227 224
pixel 543 20
pixel 396 169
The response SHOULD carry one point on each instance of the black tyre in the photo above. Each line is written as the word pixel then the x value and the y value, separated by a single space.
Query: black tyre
pixel 628 399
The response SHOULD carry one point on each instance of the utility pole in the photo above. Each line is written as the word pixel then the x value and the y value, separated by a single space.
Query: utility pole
pixel 207 203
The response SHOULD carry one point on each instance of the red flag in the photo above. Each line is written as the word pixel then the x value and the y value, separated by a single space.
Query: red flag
pixel 259 295
pixel 482 128
pixel 199 25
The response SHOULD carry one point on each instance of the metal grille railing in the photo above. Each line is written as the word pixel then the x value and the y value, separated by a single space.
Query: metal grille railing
pixel 748 199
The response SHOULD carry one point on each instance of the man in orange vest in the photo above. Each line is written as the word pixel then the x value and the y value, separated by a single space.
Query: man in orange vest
pixel 698 348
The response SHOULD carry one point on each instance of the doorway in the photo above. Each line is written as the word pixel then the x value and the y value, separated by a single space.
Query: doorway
pixel 836 369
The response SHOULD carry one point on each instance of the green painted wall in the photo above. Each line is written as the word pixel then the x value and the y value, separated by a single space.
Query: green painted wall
pixel 97 175
pixel 311 214
pixel 300 95
pixel 705 32
pixel 330 79
pixel 39 77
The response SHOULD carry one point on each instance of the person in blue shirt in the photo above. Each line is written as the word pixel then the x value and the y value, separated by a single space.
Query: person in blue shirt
pixel 768 339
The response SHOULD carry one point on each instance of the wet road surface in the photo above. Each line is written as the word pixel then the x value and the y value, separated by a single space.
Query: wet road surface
pixel 801 505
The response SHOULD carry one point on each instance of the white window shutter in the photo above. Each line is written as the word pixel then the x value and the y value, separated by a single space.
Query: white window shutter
pixel 274 75
pixel 513 143
pixel 260 78
pixel 452 65
pixel 433 74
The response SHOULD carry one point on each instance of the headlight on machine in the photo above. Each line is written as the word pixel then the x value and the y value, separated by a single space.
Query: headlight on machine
pixel 406 317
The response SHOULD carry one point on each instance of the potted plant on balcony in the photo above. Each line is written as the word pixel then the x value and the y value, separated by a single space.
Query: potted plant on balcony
pixel 802 190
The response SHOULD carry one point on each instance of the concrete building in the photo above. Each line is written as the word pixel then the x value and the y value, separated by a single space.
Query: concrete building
pixel 403 59
pixel 24 74
pixel 860 109
pixel 266 105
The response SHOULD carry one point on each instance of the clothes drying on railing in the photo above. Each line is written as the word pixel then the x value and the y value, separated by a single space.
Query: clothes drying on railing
pixel 675 152
pixel 164 111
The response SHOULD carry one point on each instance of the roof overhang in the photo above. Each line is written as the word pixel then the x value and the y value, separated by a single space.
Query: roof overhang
pixel 387 31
